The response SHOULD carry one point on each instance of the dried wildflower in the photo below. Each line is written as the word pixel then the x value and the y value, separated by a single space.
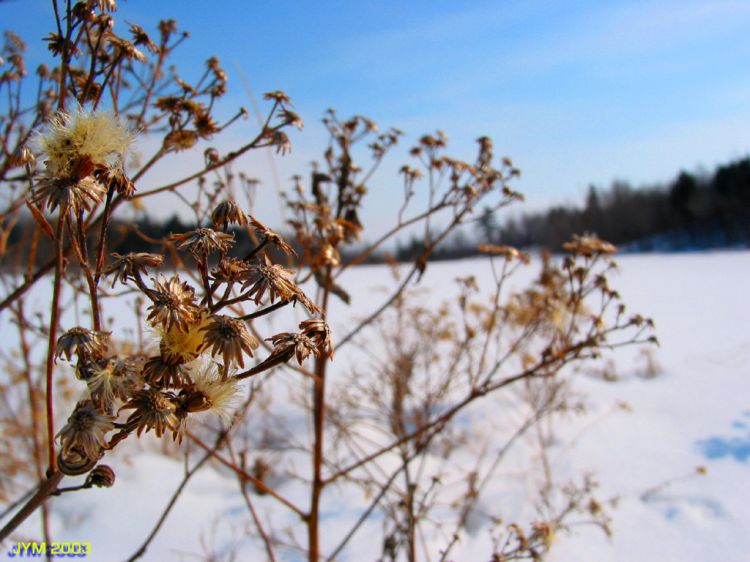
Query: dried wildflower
pixel 203 241
pixel 173 303
pixel 87 344
pixel 226 213
pixel 125 48
pixel 140 37
pixel 75 143
pixel 102 477
pixel 318 331
pixel 86 430
pixel 159 373
pixel 285 346
pixel 272 237
pixel 278 96
pixel 210 391
pixel 117 181
pixel 112 378
pixel 205 125
pixel 67 194
pixel 229 337
pixel 509 252
pixel 152 409
pixel 179 140
pixel 281 141
pixel 589 245
pixel 182 345
pixel 290 118
pixel 131 265
pixel 230 270
pixel 275 279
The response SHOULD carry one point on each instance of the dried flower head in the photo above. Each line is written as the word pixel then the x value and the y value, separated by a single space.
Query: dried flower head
pixel 230 270
pixel 272 237
pixel 285 346
pixel 589 245
pixel 173 303
pixel 75 144
pixel 210 391
pixel 161 374
pixel 318 331
pixel 509 252
pixel 292 344
pixel 267 276
pixel 226 213
pixel 68 194
pixel 271 277
pixel 87 344
pixel 203 241
pixel 152 409
pixel 278 96
pixel 230 338
pixel 116 180
pixel 102 477
pixel 180 345
pixel 132 265
pixel 86 430
pixel 112 379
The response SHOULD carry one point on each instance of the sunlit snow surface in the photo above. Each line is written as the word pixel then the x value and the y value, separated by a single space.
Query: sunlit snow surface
pixel 695 413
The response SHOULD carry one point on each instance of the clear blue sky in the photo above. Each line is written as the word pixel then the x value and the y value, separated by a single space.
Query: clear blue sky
pixel 576 92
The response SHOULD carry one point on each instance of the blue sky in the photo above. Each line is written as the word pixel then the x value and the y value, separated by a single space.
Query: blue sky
pixel 575 92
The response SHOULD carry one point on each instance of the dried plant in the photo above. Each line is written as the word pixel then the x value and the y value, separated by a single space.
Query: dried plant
pixel 65 163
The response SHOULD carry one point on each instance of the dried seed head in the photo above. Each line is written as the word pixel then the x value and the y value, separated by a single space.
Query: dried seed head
pixel 112 379
pixel 203 241
pixel 291 345
pixel 125 49
pixel 116 180
pixel 85 431
pixel 158 373
pixel 140 37
pixel 272 237
pixel 131 265
pixel 226 213
pixel 509 252
pixel 230 338
pixel 152 409
pixel 173 303
pixel 589 245
pixel 204 124
pixel 182 139
pixel 68 194
pixel 102 477
pixel 318 331
pixel 181 345
pixel 210 392
pixel 80 141
pixel 275 279
pixel 278 96
pixel 87 344
pixel 230 270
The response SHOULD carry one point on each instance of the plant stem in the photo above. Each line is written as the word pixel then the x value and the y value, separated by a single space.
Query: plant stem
pixel 54 313
pixel 42 493
pixel 318 423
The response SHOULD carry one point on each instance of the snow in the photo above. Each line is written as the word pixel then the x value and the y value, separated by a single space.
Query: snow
pixel 647 441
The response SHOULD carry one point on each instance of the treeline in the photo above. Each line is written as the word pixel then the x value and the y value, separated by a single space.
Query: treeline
pixel 694 211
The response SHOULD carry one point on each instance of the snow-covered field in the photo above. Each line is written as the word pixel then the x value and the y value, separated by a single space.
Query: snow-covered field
pixel 646 440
